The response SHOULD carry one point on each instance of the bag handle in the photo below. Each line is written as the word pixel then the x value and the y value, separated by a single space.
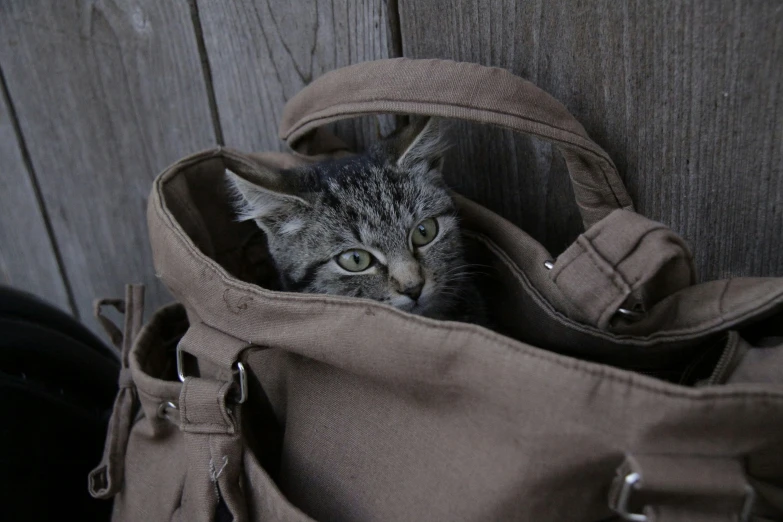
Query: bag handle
pixel 106 479
pixel 449 89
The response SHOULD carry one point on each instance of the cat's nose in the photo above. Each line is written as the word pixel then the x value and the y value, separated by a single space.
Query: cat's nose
pixel 413 291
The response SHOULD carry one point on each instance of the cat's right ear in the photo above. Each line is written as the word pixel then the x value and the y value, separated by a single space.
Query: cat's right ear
pixel 273 209
pixel 420 146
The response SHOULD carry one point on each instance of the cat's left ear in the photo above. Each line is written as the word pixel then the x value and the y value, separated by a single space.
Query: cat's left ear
pixel 421 146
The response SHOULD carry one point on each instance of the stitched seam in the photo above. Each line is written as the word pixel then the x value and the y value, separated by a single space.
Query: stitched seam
pixel 720 299
pixel 156 398
pixel 600 263
pixel 563 268
pixel 685 333
pixel 545 304
pixel 634 284
pixel 591 254
pixel 192 331
pixel 418 322
pixel 571 364
pixel 335 300
pixel 645 276
pixel 221 395
pixel 246 287
pixel 202 427
pixel 183 404
pixel 615 266
pixel 637 244
pixel 574 364
pixel 314 118
pixel 305 125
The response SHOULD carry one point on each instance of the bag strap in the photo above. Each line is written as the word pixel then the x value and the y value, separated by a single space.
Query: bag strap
pixel 624 257
pixel 106 479
pixel 449 89
pixel 214 447
pixel 680 488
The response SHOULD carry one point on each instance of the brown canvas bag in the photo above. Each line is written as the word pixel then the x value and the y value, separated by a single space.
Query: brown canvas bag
pixel 614 385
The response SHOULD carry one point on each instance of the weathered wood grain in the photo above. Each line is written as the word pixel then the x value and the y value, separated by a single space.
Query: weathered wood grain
pixel 27 258
pixel 262 52
pixel 107 94
pixel 685 96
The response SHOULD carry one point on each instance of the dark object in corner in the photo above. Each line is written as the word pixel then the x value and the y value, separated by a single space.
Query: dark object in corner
pixel 57 386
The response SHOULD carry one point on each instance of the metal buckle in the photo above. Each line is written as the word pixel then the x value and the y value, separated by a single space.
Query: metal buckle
pixel 165 407
pixel 180 364
pixel 242 383
pixel 631 481
pixel 631 315
pixel 634 480
pixel 243 393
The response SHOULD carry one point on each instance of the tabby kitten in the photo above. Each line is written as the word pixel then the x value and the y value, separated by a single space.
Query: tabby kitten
pixel 380 225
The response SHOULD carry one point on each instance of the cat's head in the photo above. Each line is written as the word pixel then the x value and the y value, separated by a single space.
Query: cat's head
pixel 380 225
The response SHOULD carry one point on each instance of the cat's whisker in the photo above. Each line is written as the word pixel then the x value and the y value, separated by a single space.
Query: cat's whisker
pixel 335 227
pixel 467 268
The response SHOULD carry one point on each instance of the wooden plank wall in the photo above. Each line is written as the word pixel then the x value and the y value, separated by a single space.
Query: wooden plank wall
pixel 262 53
pixel 687 98
pixel 99 96
pixel 107 94
pixel 28 258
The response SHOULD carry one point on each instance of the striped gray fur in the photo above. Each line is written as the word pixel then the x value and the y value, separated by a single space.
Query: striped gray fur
pixel 373 202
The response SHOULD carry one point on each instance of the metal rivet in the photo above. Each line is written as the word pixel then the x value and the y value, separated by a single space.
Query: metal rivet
pixel 164 407
pixel 549 264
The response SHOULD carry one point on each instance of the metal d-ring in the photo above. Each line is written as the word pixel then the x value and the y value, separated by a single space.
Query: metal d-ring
pixel 243 393
pixel 633 481
pixel 630 482
pixel 180 366
pixel 630 314
pixel 242 383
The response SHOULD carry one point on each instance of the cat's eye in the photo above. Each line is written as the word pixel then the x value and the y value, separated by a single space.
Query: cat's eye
pixel 355 260
pixel 424 232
